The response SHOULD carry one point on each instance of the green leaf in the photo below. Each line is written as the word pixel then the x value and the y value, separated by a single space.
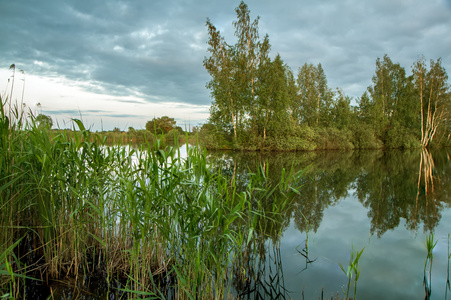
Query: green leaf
pixel 249 237
pixel 79 124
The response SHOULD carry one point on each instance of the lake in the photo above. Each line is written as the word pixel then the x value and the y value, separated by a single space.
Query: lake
pixel 386 202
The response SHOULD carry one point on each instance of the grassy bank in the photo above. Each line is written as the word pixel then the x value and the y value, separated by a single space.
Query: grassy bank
pixel 146 221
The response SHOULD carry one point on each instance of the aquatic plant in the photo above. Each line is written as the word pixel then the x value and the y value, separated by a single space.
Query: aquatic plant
pixel 352 272
pixel 430 245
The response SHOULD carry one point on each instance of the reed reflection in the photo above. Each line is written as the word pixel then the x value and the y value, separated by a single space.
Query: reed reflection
pixel 258 272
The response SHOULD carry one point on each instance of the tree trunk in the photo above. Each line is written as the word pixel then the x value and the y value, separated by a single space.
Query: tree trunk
pixel 422 108
pixel 233 117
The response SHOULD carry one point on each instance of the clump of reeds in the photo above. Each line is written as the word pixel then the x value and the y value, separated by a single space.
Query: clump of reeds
pixel 160 224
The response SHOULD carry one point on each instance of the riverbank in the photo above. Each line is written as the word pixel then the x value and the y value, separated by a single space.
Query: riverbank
pixel 305 138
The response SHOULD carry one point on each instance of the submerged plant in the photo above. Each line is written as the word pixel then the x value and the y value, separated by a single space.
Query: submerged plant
pixel 352 271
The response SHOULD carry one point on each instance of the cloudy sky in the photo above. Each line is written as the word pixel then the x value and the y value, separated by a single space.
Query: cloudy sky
pixel 121 63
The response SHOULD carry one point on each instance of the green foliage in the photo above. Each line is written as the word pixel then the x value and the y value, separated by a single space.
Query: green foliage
pixel 211 138
pixel 400 137
pixel 44 120
pixel 161 125
pixel 432 91
pixel 172 136
pixel 257 101
pixel 341 111
pixel 333 138
pixel 313 104
pixel 287 143
pixel 275 107
pixel 364 138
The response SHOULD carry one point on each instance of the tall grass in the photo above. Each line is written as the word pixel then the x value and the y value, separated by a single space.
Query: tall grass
pixel 154 223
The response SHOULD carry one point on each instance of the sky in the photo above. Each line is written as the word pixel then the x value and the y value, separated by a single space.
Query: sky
pixel 121 63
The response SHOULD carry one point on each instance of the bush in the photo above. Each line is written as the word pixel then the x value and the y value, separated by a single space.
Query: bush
pixel 333 138
pixel 289 143
pixel 364 138
pixel 306 133
pixel 211 138
pixel 172 136
pixel 400 137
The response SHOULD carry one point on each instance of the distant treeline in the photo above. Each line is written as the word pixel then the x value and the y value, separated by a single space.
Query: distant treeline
pixel 259 104
pixel 163 129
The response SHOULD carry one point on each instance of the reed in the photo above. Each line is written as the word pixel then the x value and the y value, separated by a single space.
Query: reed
pixel 427 281
pixel 158 225
pixel 352 271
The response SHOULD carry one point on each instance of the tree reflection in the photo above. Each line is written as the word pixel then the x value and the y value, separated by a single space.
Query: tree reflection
pixel 394 189
pixel 411 186
pixel 425 192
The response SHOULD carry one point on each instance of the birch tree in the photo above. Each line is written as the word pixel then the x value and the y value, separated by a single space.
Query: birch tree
pixel 248 52
pixel 224 109
pixel 432 91
pixel 314 96
pixel 235 74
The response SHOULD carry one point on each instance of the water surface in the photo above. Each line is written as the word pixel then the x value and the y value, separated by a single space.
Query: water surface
pixel 384 201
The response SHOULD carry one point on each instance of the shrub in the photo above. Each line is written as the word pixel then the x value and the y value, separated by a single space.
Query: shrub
pixel 364 138
pixel 333 138
pixel 400 137
pixel 172 136
pixel 211 138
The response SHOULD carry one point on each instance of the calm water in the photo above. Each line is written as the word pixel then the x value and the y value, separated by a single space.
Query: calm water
pixel 385 201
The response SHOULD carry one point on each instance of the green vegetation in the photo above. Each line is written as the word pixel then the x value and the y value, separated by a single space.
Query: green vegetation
pixel 44 120
pixel 352 271
pixel 163 129
pixel 259 104
pixel 145 220
pixel 430 245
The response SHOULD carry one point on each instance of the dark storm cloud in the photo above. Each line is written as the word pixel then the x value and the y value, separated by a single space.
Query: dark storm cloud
pixel 155 49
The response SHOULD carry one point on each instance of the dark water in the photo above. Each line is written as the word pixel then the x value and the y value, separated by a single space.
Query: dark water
pixel 384 201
